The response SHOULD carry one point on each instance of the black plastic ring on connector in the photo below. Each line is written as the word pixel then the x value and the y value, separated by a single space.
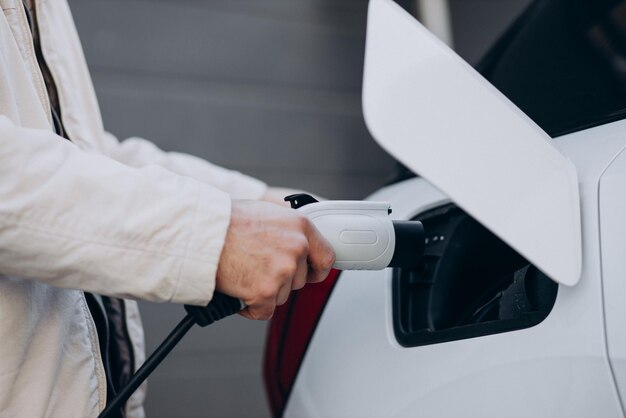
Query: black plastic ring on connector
pixel 220 307
pixel 410 243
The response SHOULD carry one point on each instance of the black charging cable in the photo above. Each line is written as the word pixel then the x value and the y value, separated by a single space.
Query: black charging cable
pixel 220 307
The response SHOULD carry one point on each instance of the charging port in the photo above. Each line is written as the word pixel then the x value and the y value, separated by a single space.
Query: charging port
pixel 469 284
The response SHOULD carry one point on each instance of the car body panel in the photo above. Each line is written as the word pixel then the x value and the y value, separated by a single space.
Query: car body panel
pixel 355 367
pixel 613 242
pixel 439 117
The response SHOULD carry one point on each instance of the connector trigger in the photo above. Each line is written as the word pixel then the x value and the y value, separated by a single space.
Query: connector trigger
pixel 300 199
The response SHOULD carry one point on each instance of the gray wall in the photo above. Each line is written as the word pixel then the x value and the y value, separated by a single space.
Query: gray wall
pixel 268 87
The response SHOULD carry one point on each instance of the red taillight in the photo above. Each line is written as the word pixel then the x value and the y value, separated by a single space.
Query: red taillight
pixel 288 337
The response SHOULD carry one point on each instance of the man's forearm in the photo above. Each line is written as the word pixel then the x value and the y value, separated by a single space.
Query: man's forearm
pixel 80 220
pixel 137 152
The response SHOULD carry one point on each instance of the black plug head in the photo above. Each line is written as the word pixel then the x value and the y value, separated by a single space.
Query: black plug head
pixel 410 243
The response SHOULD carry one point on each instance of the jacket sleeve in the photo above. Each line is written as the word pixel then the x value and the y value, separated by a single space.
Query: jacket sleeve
pixel 80 220
pixel 137 152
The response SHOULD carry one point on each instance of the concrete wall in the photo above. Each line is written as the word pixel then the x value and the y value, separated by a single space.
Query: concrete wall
pixel 267 87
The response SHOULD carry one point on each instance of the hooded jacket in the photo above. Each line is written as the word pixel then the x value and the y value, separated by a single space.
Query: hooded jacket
pixel 121 219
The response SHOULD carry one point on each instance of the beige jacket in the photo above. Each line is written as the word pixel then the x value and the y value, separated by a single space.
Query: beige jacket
pixel 92 214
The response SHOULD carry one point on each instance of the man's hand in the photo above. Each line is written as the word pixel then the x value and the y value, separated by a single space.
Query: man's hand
pixel 270 251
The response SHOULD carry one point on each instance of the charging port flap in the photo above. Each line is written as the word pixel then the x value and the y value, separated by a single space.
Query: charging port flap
pixel 439 117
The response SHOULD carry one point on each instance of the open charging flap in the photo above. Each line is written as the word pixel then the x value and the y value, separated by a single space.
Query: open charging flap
pixel 434 113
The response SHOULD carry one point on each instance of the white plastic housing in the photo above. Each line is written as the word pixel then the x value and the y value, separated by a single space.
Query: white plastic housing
pixel 361 233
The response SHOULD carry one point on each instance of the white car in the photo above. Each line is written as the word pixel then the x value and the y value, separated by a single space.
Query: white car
pixel 519 305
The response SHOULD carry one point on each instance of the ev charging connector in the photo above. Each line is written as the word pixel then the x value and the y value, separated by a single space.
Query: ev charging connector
pixel 362 234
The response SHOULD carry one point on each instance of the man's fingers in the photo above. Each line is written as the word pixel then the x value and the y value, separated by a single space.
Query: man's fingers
pixel 296 282
pixel 321 256
pixel 258 312
pixel 246 313
pixel 283 294
pixel 300 278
